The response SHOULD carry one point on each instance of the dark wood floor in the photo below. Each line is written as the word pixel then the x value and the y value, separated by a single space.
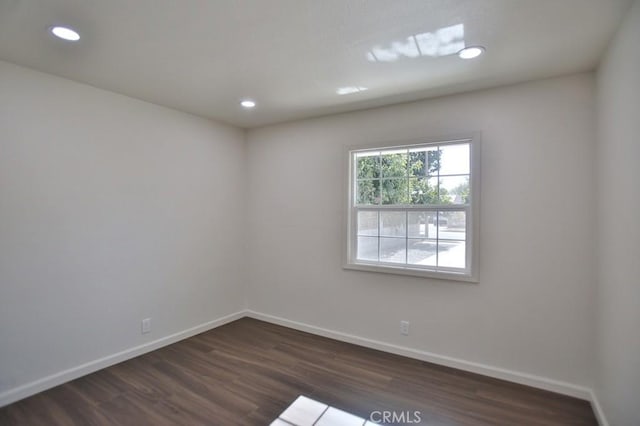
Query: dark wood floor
pixel 248 371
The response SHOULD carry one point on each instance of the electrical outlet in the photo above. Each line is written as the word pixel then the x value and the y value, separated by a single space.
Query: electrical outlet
pixel 146 325
pixel 404 328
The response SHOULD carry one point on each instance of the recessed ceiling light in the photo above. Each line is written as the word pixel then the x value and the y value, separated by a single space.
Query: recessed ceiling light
pixel 65 33
pixel 248 103
pixel 471 52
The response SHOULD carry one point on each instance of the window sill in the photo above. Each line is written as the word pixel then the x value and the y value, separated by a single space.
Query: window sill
pixel 449 276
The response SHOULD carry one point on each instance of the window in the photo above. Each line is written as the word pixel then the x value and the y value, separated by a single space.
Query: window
pixel 413 209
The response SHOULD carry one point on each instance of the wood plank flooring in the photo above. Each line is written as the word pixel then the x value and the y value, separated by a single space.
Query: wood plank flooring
pixel 247 372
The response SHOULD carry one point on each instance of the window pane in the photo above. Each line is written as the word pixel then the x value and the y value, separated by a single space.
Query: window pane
pixel 393 250
pixel 395 191
pixel 423 190
pixel 393 224
pixel 454 159
pixel 367 249
pixel 368 165
pixel 368 192
pixel 422 252
pixel 453 225
pixel 424 161
pixel 394 163
pixel 417 225
pixel 442 221
pixel 451 254
pixel 368 223
pixel 422 225
pixel 454 190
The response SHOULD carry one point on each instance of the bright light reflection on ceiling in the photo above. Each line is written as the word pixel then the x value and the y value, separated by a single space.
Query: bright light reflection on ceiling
pixel 351 89
pixel 442 42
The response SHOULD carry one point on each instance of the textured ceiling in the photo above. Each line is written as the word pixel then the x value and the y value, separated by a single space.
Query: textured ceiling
pixel 291 56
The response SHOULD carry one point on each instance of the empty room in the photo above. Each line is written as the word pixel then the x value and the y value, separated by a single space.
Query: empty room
pixel 309 212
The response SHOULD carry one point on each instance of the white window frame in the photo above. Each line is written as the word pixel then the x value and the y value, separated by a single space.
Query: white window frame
pixel 470 274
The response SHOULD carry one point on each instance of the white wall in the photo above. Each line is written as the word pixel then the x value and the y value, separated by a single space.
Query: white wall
pixel 532 310
pixel 111 210
pixel 618 168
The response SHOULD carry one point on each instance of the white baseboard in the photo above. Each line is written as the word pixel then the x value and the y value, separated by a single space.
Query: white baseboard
pixel 474 367
pixel 59 378
pixel 597 409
